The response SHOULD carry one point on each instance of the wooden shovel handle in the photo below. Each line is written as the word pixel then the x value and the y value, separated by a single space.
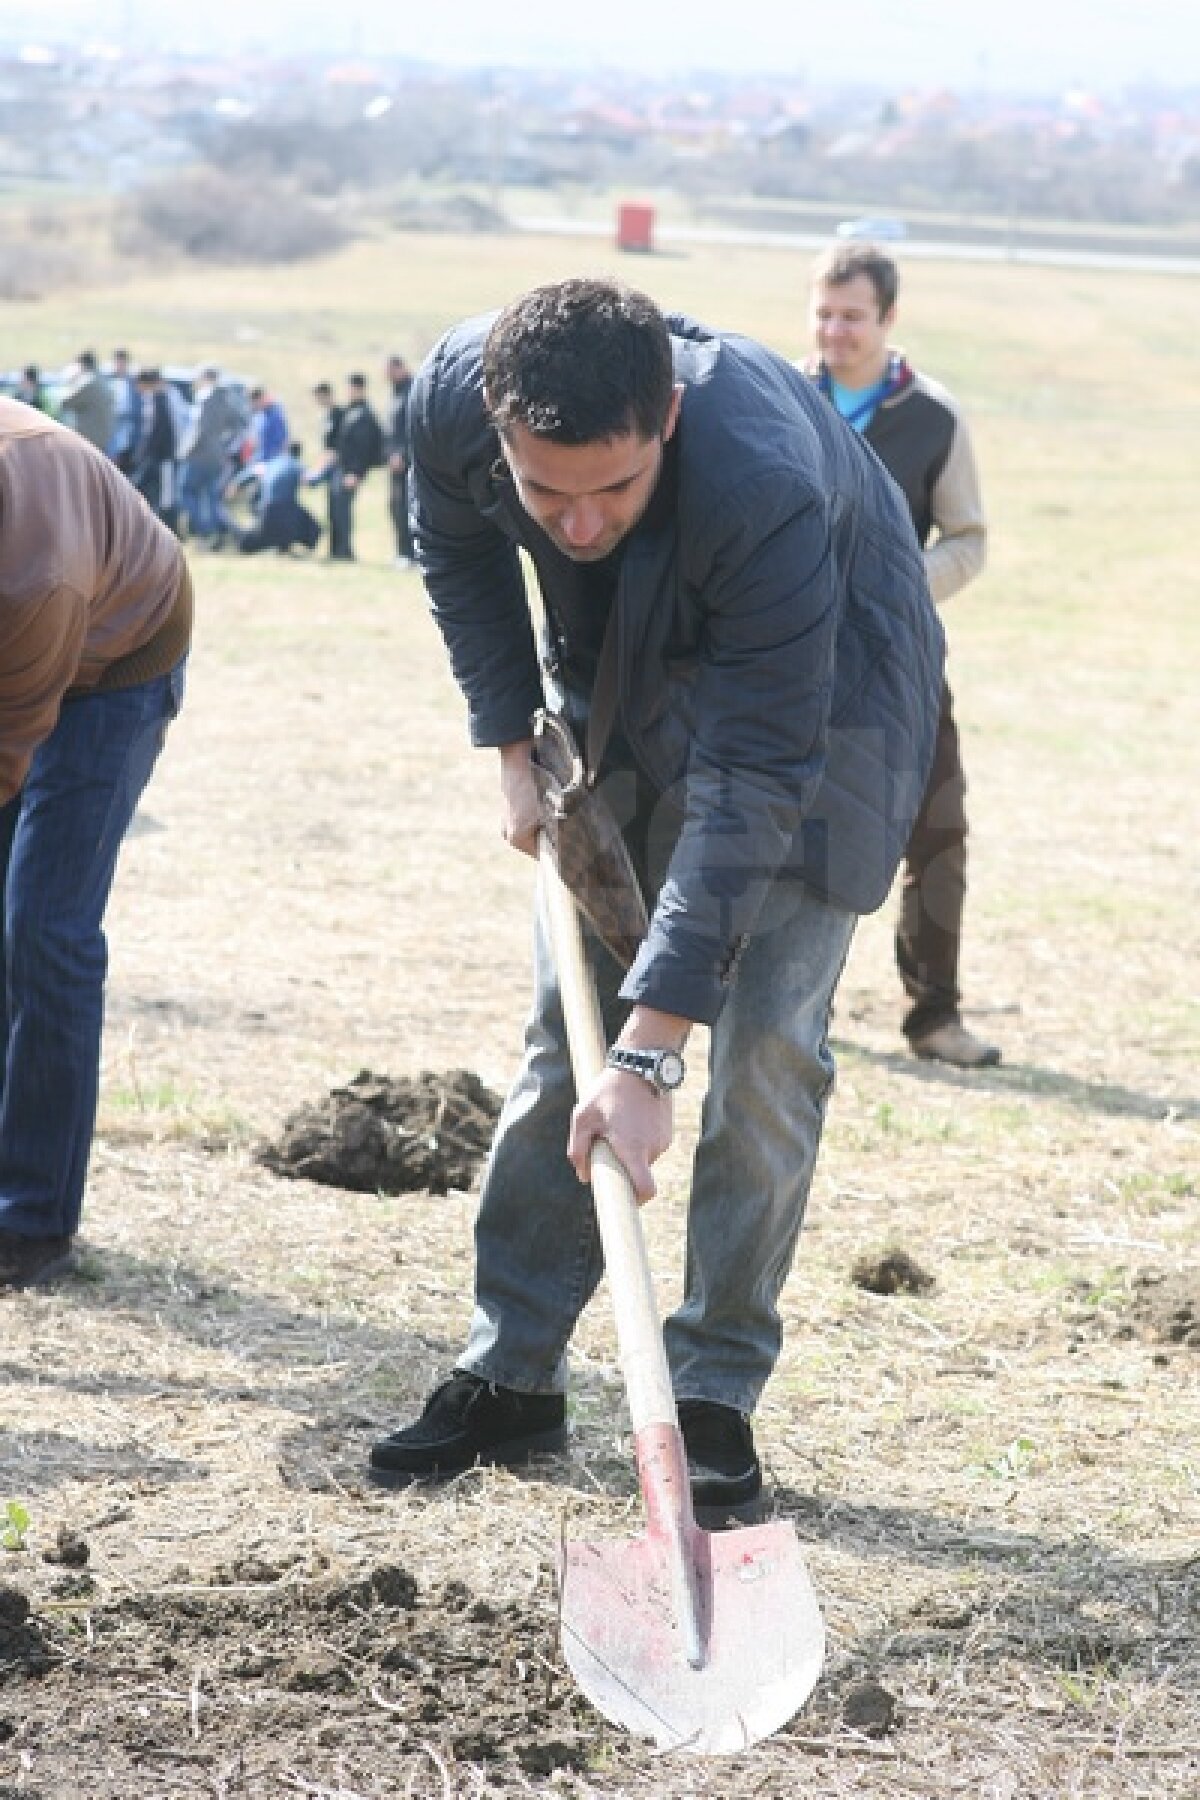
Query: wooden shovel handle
pixel 639 1334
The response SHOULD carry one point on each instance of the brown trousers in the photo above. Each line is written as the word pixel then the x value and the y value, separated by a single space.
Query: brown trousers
pixel 934 888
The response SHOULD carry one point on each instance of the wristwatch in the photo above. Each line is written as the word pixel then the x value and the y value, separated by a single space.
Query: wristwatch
pixel 663 1069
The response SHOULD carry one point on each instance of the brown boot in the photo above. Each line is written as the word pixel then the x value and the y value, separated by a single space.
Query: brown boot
pixel 952 1043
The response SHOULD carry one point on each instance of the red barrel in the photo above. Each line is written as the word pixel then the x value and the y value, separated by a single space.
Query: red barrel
pixel 635 226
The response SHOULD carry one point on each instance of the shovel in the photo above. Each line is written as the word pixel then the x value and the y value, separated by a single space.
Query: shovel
pixel 704 1642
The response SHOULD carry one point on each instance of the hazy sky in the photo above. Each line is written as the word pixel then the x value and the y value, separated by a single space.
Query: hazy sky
pixel 1004 44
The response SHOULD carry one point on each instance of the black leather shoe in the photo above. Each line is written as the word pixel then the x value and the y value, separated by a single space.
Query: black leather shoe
pixel 28 1262
pixel 723 1466
pixel 467 1420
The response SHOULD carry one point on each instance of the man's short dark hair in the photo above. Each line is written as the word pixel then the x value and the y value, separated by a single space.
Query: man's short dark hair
pixel 87 359
pixel 323 391
pixel 258 393
pixel 296 450
pixel 148 374
pixel 580 362
pixel 843 262
pixel 356 380
pixel 31 372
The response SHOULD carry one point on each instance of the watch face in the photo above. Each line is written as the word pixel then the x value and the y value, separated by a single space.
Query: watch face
pixel 670 1069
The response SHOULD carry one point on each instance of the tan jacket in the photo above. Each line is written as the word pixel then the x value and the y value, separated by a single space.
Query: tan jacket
pixel 93 588
pixel 957 553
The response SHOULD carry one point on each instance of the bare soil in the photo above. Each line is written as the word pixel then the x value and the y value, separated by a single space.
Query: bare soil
pixel 1166 1308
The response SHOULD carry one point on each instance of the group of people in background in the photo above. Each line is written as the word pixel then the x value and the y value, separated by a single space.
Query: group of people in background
pixel 354 441
pixel 191 448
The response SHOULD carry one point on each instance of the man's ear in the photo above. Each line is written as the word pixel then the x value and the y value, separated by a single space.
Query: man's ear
pixel 888 319
pixel 672 418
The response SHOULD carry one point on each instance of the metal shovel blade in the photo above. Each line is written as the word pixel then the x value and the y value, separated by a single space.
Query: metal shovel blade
pixel 762 1638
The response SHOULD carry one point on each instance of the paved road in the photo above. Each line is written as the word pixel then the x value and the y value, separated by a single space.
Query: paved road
pixel 1048 255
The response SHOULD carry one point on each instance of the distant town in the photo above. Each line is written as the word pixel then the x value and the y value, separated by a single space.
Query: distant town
pixel 112 119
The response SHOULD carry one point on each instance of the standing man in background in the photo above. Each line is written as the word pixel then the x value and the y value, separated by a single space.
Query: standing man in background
pixel 95 621
pixel 325 473
pixel 154 473
pixel 30 390
pixel 921 437
pixel 396 446
pixel 217 425
pixel 122 442
pixel 87 405
pixel 358 448
pixel 268 427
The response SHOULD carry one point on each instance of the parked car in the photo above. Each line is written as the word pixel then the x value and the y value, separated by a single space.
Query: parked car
pixel 55 383
pixel 881 231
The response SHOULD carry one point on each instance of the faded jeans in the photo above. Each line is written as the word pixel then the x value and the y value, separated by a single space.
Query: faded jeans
pixel 538 1255
pixel 201 499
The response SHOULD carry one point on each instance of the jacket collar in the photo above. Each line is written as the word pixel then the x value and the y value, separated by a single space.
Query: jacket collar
pixel 898 377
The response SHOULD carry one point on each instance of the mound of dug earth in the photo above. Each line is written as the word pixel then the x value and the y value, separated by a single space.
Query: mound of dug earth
pixel 425 1133
pixel 1166 1308
pixel 892 1271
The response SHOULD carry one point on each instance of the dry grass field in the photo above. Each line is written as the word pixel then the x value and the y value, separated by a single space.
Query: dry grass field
pixel 997 1483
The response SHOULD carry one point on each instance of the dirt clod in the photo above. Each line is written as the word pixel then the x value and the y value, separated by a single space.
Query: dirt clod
pixel 75 1586
pixel 892 1271
pixel 1166 1308
pixel 315 1674
pixel 870 1708
pixel 69 1549
pixel 542 1758
pixel 387 1585
pixel 425 1133
pixel 250 1569
pixel 944 1612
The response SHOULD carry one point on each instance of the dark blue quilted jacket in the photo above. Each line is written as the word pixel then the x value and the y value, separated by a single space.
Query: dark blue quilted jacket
pixel 780 658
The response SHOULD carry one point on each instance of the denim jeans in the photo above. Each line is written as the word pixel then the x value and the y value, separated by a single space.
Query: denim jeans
pixel 538 1256
pixel 200 499
pixel 59 842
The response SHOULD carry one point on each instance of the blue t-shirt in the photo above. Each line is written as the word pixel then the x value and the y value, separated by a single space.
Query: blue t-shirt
pixel 857 405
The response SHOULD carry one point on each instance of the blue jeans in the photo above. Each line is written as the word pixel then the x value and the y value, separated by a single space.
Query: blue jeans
pixel 59 842
pixel 200 499
pixel 538 1256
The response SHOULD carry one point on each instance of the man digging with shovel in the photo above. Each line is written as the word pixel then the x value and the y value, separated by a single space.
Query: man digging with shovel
pixel 738 628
